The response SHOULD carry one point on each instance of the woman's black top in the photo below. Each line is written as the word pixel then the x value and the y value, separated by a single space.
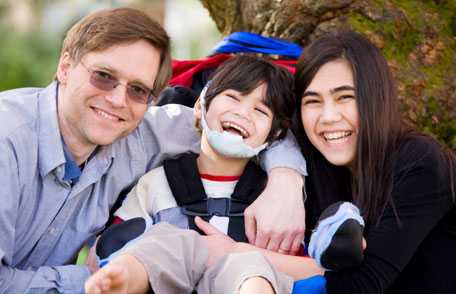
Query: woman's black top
pixel 418 254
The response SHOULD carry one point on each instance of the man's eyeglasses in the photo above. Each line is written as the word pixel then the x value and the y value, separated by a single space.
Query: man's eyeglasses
pixel 105 81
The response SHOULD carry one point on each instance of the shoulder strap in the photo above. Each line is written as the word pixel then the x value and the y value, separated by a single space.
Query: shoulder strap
pixel 184 179
pixel 187 188
pixel 251 184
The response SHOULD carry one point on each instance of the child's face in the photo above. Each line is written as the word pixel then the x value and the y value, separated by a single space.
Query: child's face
pixel 244 115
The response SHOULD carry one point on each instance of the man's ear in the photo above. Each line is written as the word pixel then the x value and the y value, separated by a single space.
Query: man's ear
pixel 63 68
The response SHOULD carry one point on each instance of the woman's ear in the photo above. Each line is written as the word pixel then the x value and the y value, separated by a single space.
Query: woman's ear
pixel 63 68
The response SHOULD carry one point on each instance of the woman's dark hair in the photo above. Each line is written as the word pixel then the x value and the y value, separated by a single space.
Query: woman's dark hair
pixel 244 73
pixel 381 129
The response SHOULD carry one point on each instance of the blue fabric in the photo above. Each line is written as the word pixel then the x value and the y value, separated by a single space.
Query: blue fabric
pixel 72 170
pixel 250 42
pixel 322 236
pixel 313 285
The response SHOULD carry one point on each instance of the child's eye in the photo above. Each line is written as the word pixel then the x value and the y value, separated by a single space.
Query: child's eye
pixel 262 111
pixel 232 97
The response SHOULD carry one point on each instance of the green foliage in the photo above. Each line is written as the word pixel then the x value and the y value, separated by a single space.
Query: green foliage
pixel 26 60
pixel 418 40
pixel 445 129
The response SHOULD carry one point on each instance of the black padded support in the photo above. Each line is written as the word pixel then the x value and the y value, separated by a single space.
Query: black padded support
pixel 345 250
pixel 116 236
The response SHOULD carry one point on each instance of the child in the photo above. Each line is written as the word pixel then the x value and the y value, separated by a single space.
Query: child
pixel 246 106
pixel 251 101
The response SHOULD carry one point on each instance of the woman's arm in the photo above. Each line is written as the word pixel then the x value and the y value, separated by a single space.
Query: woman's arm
pixel 297 267
pixel 220 244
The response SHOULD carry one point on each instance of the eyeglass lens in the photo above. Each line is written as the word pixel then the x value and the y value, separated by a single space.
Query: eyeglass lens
pixel 106 82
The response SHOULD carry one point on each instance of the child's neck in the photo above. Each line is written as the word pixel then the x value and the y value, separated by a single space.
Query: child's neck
pixel 212 163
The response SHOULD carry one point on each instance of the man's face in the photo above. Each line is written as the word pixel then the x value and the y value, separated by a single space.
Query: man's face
pixel 90 116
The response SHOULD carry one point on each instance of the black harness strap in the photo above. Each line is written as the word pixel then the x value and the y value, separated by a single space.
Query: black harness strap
pixel 187 188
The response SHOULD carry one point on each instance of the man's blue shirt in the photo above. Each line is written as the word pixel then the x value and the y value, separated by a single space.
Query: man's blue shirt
pixel 44 217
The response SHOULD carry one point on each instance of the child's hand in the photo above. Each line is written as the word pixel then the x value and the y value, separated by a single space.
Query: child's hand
pixel 110 279
pixel 218 244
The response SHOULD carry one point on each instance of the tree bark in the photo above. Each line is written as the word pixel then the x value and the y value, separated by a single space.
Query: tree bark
pixel 417 37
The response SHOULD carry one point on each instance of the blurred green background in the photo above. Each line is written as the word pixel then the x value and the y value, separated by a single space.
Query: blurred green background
pixel 32 32
pixel 26 59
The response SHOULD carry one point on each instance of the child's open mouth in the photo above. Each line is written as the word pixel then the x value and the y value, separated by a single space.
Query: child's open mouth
pixel 235 129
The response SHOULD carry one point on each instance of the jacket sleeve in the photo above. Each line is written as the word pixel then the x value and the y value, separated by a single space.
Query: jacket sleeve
pixel 60 279
pixel 284 153
pixel 421 201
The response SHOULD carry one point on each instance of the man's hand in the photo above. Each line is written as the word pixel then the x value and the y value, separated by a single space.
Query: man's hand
pixel 218 243
pixel 276 220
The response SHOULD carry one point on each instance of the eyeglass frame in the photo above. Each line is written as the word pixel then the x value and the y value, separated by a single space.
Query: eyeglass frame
pixel 151 97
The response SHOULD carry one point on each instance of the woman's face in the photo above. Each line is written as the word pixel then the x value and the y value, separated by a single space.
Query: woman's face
pixel 330 114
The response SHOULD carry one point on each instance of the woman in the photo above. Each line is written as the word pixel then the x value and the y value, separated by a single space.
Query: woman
pixel 358 149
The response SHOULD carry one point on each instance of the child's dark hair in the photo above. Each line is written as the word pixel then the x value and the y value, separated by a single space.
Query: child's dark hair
pixel 244 73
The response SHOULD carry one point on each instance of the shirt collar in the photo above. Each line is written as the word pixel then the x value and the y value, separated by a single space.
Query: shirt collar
pixel 50 151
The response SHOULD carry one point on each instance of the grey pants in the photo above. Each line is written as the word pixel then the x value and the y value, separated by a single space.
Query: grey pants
pixel 175 261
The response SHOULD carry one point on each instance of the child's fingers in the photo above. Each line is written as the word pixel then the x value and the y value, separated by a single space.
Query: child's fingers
pixel 117 276
pixel 94 284
pixel 104 280
pixel 206 227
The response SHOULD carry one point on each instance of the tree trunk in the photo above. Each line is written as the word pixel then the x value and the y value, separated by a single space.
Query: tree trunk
pixel 417 37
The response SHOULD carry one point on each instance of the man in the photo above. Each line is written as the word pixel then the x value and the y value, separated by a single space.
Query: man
pixel 67 151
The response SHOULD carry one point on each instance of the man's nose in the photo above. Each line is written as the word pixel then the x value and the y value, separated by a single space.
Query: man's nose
pixel 118 96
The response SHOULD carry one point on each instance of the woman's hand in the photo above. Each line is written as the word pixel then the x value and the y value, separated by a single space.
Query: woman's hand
pixel 218 244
